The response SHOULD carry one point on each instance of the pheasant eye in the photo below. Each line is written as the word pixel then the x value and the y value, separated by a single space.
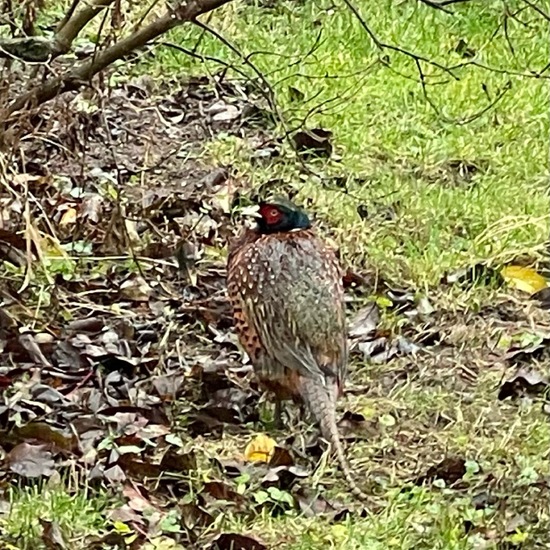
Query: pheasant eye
pixel 271 215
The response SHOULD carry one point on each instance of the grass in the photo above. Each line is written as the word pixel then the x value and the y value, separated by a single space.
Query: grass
pixel 78 515
pixel 402 156
pixel 397 151
pixel 441 192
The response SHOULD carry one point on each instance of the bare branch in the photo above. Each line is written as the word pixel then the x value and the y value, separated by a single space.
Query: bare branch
pixel 449 2
pixel 83 72
pixel 68 15
pixel 270 95
pixel 436 5
pixel 202 57
pixel 70 28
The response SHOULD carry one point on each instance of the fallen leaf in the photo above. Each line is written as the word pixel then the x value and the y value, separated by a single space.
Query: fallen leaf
pixel 451 469
pixel 180 462
pixel 522 383
pixel 281 457
pixel 543 296
pixel 52 537
pixel 284 477
pixel 351 423
pixel 222 491
pixel 313 143
pixel 31 460
pixel 365 321
pixel 260 449
pixel 69 217
pixel 525 279
pixel 91 207
pixel 136 290
pixel 193 516
pixel 43 432
pixel 295 94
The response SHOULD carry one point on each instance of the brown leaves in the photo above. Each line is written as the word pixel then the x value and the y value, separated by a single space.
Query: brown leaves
pixel 524 382
pixel 31 460
pixel 451 469
pixel 313 143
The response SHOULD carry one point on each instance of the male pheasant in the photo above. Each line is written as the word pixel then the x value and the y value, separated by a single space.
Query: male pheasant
pixel 285 286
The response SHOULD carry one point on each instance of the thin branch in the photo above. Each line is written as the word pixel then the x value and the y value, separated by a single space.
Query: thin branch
pixel 270 96
pixel 436 5
pixel 463 121
pixel 537 9
pixel 384 46
pixel 363 23
pixel 202 57
pixel 449 2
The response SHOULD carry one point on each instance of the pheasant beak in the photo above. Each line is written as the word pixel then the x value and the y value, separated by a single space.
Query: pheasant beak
pixel 251 211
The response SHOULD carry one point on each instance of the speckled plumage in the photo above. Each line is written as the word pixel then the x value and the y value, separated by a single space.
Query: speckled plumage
pixel 287 296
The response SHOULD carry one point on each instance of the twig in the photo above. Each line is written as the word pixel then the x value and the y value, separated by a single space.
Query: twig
pixel 436 5
pixel 202 57
pixel 270 96
pixel 449 2
pixel 537 9
pixel 505 89
pixel 385 46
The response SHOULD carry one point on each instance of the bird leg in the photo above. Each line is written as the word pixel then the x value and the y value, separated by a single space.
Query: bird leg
pixel 278 415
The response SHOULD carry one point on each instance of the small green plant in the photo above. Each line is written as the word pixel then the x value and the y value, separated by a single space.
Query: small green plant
pixel 78 515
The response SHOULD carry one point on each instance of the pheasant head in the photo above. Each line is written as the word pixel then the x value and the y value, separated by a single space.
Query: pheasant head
pixel 279 215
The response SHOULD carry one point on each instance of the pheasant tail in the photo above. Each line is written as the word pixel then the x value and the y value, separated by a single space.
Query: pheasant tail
pixel 321 403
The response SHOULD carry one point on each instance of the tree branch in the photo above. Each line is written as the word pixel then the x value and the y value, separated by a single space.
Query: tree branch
pixel 69 29
pixel 83 72
pixel 37 49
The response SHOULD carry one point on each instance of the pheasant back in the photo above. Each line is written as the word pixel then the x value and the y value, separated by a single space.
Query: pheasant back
pixel 287 299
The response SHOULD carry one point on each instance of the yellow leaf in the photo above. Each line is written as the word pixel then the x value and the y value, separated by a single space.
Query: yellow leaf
pixel 525 279
pixel 69 216
pixel 260 449
pixel 121 527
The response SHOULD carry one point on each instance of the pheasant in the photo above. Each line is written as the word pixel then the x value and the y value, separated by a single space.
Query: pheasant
pixel 285 287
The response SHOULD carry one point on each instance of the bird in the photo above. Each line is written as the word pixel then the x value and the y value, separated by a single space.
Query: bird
pixel 285 287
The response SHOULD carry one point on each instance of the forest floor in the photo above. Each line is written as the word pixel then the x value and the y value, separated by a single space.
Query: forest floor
pixel 127 406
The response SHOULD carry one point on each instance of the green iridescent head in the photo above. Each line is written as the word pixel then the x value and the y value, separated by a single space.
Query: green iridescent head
pixel 280 215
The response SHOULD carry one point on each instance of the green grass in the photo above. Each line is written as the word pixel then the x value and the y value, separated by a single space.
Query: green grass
pixel 395 147
pixel 78 515
pixel 399 155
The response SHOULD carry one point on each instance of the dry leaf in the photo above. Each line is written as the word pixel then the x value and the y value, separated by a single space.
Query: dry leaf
pixel 260 449
pixel 525 279
pixel 69 217
pixel 137 290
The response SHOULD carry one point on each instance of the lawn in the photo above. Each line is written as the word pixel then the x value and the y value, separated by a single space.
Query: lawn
pixel 439 164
